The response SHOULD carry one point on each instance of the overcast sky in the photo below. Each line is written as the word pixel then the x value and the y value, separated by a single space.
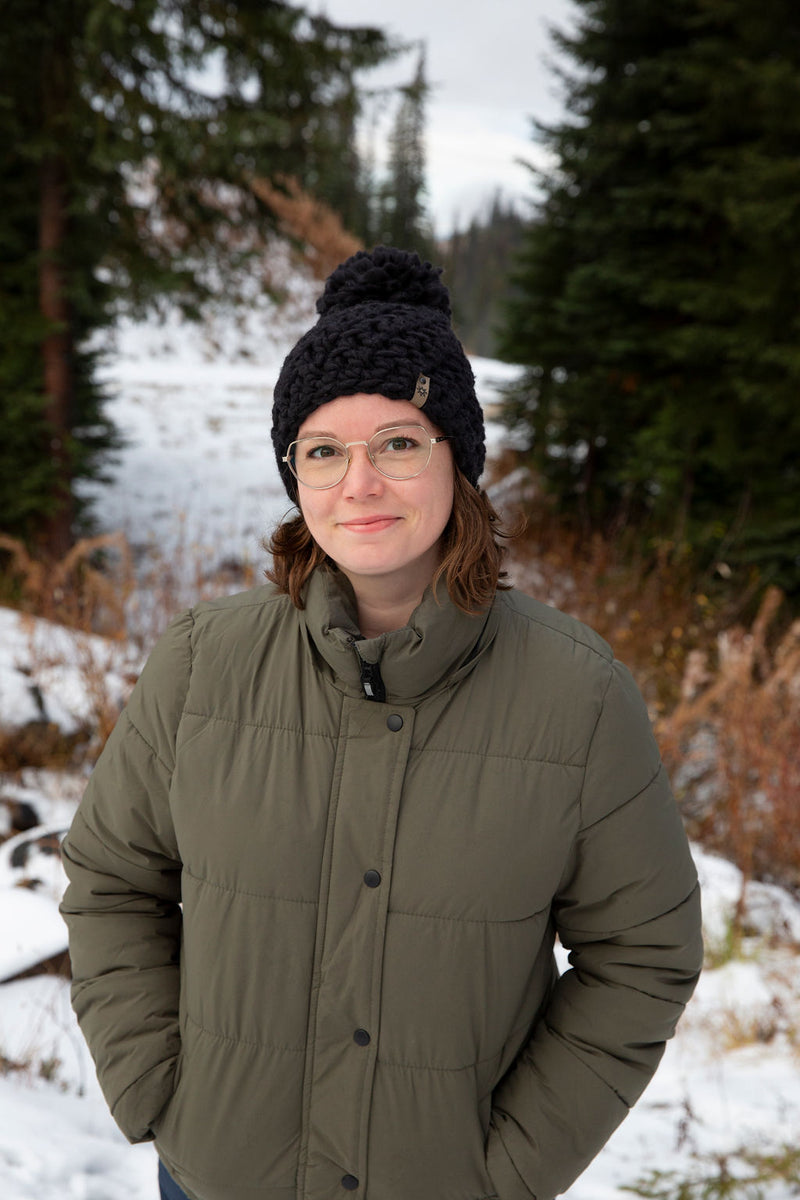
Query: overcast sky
pixel 487 67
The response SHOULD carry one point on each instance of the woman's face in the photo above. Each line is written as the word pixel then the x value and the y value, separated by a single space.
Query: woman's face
pixel 369 525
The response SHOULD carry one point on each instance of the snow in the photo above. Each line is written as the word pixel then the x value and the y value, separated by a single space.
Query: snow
pixel 31 930
pixel 56 1138
pixel 197 480
pixel 44 669
pixel 195 486
pixel 769 910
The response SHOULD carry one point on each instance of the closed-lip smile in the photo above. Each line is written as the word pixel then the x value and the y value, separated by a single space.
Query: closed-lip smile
pixel 369 524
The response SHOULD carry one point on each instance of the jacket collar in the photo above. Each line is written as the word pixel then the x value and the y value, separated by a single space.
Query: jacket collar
pixel 438 646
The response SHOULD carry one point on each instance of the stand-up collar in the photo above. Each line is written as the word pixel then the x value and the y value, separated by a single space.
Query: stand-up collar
pixel 438 645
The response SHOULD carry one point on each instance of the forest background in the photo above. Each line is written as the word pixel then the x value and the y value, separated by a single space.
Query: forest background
pixel 155 152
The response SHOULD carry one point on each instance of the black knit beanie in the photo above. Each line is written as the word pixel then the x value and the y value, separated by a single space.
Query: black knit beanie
pixel 384 328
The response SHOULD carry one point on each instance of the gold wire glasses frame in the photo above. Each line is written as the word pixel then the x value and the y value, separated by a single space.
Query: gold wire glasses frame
pixel 400 452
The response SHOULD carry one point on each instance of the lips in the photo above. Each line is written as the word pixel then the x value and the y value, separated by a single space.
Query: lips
pixel 373 524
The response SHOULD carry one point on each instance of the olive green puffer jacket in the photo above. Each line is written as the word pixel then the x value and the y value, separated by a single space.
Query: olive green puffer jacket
pixel 358 994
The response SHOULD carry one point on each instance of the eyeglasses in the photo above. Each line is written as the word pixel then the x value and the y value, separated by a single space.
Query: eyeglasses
pixel 398 453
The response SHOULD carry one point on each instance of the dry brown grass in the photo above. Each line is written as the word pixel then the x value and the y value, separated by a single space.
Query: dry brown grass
pixel 44 744
pixel 100 598
pixel 169 583
pixel 740 712
pixel 87 589
pixel 646 609
pixel 39 744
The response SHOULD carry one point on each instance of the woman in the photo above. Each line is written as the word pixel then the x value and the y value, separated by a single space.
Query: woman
pixel 379 788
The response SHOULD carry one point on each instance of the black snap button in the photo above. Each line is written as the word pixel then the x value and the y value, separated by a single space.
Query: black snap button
pixel 361 1037
pixel 350 1182
pixel 372 878
pixel 395 722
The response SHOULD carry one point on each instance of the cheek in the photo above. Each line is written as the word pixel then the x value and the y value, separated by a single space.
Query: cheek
pixel 313 510
pixel 436 513
pixel 441 500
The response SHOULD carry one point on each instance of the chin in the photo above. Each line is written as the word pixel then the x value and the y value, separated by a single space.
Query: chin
pixel 374 568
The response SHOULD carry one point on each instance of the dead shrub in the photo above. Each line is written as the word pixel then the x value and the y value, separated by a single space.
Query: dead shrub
pixel 171 583
pixel 9 1066
pixel 105 598
pixel 40 744
pixel 646 608
pixel 87 589
pixel 739 715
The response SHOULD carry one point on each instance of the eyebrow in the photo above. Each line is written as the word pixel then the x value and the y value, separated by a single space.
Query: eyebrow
pixel 379 429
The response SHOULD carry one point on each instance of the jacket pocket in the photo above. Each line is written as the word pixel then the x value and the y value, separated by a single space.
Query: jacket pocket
pixel 159 1120
pixel 502 1172
pixel 235 1113
pixel 138 1109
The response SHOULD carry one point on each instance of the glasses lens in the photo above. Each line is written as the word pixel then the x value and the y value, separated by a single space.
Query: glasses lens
pixel 318 462
pixel 401 452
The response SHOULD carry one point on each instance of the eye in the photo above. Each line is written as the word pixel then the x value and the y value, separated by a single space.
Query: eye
pixel 322 450
pixel 398 443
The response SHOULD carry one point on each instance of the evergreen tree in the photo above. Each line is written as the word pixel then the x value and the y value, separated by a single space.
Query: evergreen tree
pixel 403 221
pixel 477 263
pixel 129 130
pixel 659 285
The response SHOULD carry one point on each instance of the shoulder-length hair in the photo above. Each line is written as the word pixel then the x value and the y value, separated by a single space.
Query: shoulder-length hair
pixel 472 556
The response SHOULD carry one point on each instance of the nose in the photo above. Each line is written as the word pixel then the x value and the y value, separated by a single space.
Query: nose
pixel 362 478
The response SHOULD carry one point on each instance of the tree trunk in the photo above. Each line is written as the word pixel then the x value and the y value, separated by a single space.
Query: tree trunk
pixel 56 534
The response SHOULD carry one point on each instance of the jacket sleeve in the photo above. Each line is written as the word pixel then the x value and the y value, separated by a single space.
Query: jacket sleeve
pixel 122 905
pixel 628 911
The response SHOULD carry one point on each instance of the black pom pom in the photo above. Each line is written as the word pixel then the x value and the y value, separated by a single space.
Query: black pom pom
pixel 387 276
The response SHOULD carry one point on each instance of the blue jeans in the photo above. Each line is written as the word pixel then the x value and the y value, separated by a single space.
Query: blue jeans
pixel 168 1186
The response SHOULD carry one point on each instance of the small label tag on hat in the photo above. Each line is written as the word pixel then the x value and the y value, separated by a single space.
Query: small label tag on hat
pixel 421 391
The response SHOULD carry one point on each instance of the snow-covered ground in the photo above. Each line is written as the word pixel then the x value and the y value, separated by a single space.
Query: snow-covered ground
pixel 196 484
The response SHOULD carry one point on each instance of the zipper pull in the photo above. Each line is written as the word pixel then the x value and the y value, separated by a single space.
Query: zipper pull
pixel 371 681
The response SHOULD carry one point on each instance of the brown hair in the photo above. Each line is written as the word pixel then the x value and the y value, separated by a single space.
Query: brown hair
pixel 471 554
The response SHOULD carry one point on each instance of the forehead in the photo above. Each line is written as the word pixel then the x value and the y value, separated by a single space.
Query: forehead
pixel 361 415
